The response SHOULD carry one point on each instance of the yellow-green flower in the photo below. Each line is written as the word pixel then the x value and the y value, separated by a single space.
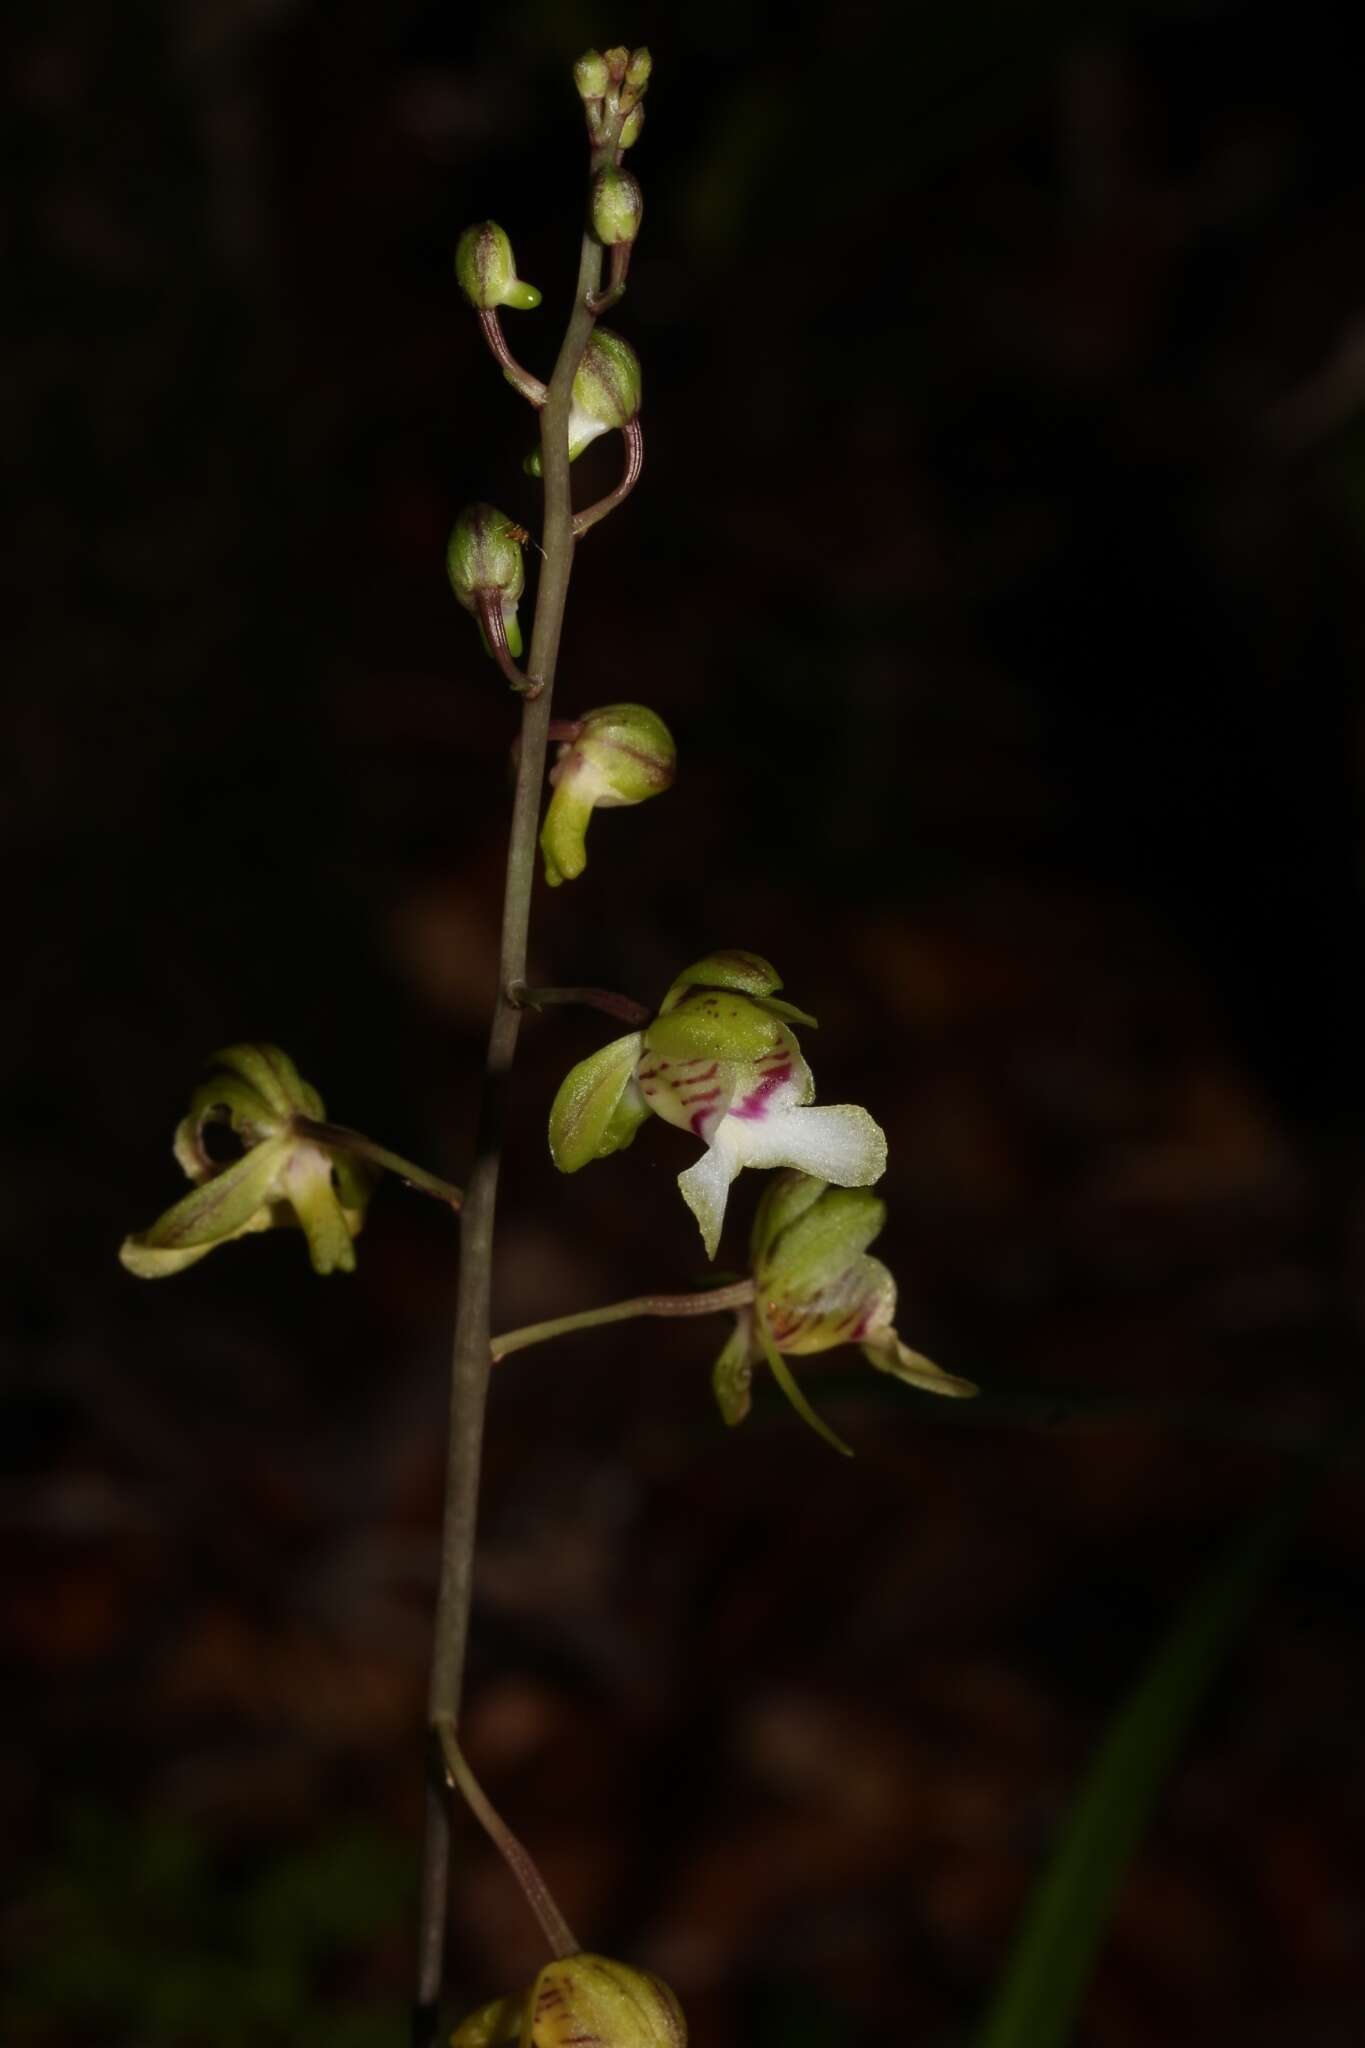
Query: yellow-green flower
pixel 620 754
pixel 282 1176
pixel 580 1998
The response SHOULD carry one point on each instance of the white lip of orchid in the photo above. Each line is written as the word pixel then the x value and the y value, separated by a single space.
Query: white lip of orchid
pixel 758 1113
pixel 583 430
pixel 587 779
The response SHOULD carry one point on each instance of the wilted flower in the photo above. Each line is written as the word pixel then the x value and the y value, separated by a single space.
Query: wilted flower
pixel 580 1998
pixel 815 1288
pixel 721 1061
pixel 281 1177
pixel 621 754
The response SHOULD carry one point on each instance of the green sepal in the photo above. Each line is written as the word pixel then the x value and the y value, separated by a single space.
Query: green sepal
pixel 492 2025
pixel 596 1112
pixel 732 1375
pixel 273 1075
pixel 218 1209
pixel 889 1355
pixel 712 1024
pixel 787 1196
pixel 781 1372
pixel 748 974
pixel 823 1240
pixel 227 1098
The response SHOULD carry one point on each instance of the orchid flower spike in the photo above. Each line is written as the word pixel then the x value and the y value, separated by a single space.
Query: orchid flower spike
pixel 620 754
pixel 281 1176
pixel 719 1060
pixel 815 1288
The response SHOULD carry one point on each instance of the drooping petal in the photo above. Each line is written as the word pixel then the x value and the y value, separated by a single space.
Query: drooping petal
pixel 599 1107
pixel 221 1208
pixel 781 1372
pixel 705 1187
pixel 154 1262
pixel 308 1187
pixel 888 1354
pixel 836 1142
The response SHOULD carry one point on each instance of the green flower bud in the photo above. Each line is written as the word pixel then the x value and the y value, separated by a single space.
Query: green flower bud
pixel 616 205
pixel 622 754
pixel 581 1998
pixel 606 394
pixel 631 126
pixel 487 271
pixel 591 76
pixel 616 59
pixel 281 1176
pixel 638 70
pixel 484 564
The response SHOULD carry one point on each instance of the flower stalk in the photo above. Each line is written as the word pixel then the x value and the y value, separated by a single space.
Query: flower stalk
pixel 709 1302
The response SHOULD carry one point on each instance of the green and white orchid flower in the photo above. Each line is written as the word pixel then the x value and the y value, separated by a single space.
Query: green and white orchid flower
pixel 719 1060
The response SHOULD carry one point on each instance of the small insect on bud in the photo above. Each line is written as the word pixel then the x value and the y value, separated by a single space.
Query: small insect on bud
pixel 616 206
pixel 581 1998
pixel 487 270
pixel 484 564
pixel 621 755
pixel 590 75
pixel 606 393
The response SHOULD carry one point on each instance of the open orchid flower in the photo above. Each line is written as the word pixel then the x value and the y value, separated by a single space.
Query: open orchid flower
pixel 720 1060
pixel 281 1176
pixel 814 1288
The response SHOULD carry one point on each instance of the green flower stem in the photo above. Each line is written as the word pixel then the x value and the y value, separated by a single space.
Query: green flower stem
pixel 471 1360
pixel 630 476
pixel 514 1852
pixel 521 380
pixel 337 1138
pixel 708 1303
pixel 623 1007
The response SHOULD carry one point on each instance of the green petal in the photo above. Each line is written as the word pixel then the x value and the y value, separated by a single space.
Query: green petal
pixel 733 1372
pixel 593 1115
pixel 777 1365
pixel 273 1074
pixel 308 1186
pixel 564 835
pixel 890 1355
pixel 222 1206
pixel 748 974
pixel 823 1239
pixel 787 1196
pixel 151 1262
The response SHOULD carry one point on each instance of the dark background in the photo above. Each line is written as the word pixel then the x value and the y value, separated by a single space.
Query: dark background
pixel 997 566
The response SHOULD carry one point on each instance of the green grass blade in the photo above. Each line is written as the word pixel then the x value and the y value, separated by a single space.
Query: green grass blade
pixel 1048 1970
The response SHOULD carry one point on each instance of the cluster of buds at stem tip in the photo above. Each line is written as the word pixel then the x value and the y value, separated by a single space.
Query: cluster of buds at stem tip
pixel 487 575
pixel 580 1998
pixel 606 394
pixel 620 754
pixel 611 85
pixel 721 1061
pixel 283 1175
pixel 816 1288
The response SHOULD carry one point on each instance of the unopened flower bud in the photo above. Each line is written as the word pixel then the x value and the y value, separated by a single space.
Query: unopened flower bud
pixel 622 754
pixel 581 1998
pixel 616 206
pixel 487 270
pixel 484 560
pixel 631 126
pixel 606 393
pixel 617 58
pixel 638 70
pixel 590 75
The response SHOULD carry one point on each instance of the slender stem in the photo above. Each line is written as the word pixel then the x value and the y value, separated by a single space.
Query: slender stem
pixel 521 380
pixel 337 1138
pixel 514 1852
pixel 470 1364
pixel 634 441
pixel 625 1008
pixel 709 1302
pixel 620 264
